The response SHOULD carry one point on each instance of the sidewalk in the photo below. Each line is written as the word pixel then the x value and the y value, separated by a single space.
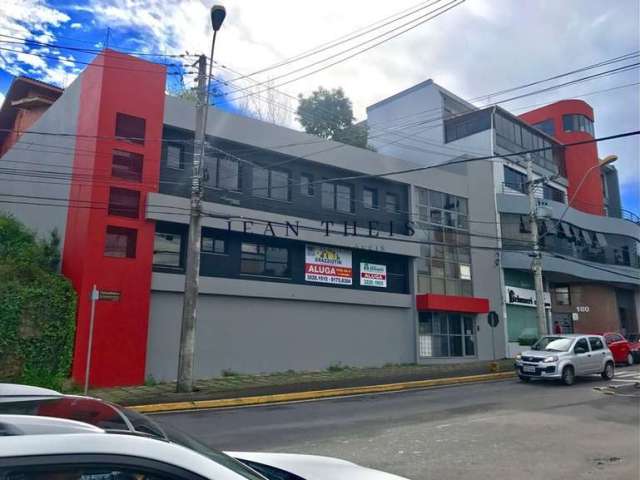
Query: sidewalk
pixel 234 386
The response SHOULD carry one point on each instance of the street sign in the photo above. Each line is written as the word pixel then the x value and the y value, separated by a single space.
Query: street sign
pixel 493 319
pixel 109 296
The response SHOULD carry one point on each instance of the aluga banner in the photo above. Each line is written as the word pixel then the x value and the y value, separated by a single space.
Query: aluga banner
pixel 328 265
pixel 372 275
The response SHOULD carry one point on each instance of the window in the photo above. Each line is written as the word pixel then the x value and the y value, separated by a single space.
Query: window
pixel 306 185
pixel 612 339
pixel 175 156
pixel 446 335
pixel 167 249
pixel 126 165
pixel 546 126
pixel 595 343
pixel 344 198
pixel 581 343
pixel 264 260
pixel 515 180
pixel 93 471
pixel 370 198
pixel 465 125
pixel 273 184
pixel 391 202
pixel 120 242
pixel 577 123
pixel 222 172
pixel 551 193
pixel 562 295
pixel 213 245
pixel 337 196
pixel 328 196
pixel 124 202
pixel 130 128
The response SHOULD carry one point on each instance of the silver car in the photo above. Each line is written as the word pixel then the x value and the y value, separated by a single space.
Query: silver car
pixel 563 357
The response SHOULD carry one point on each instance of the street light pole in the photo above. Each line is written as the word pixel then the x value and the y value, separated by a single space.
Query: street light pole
pixel 192 271
pixel 537 257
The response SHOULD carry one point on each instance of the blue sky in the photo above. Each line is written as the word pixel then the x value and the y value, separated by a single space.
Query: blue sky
pixel 479 47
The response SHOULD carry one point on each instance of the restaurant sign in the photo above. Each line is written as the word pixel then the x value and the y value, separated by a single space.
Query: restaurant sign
pixel 328 265
pixel 373 275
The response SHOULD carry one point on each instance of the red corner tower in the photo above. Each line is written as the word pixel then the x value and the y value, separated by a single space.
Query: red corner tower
pixel 571 121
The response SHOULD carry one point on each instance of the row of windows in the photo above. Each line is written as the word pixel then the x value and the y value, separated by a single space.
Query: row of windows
pixel 466 125
pixel 442 209
pixel 276 184
pixel 571 240
pixel 577 123
pixel 518 136
pixel 517 181
pixel 546 126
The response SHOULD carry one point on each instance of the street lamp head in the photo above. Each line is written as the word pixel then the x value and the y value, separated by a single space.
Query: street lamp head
pixel 608 159
pixel 218 13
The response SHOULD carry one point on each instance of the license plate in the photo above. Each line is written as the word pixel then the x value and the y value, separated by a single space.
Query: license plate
pixel 529 368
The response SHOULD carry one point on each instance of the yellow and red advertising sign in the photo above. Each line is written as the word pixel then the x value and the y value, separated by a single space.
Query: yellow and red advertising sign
pixel 328 265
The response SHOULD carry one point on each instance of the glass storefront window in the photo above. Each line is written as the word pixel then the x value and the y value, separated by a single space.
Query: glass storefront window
pixel 443 334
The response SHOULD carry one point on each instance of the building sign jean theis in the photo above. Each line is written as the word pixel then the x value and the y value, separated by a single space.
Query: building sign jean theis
pixel 371 229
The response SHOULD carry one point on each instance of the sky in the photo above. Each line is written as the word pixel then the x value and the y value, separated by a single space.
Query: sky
pixel 473 49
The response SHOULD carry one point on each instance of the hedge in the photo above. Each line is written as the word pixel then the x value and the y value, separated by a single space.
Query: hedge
pixel 37 309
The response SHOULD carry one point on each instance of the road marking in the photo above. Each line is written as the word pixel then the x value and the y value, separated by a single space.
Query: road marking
pixel 623 380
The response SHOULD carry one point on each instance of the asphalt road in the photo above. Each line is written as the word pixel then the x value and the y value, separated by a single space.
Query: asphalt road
pixel 496 430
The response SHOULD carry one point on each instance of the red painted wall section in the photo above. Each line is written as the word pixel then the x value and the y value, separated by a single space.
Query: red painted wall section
pixel 579 158
pixel 114 83
pixel 451 303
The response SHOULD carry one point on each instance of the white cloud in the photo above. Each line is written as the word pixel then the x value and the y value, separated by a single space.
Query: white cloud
pixel 76 25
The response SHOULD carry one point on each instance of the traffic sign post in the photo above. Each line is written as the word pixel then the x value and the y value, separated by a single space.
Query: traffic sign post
pixel 493 319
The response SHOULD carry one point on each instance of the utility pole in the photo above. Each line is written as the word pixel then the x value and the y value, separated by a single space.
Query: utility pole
pixel 537 256
pixel 186 355
pixel 192 271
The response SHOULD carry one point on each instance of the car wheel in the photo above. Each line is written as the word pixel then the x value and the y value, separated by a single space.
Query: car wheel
pixel 523 378
pixel 608 371
pixel 630 359
pixel 568 375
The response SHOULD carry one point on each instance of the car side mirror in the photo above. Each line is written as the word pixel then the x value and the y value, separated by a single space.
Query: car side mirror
pixel 579 350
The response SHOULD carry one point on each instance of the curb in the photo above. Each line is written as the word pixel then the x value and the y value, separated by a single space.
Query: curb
pixel 315 394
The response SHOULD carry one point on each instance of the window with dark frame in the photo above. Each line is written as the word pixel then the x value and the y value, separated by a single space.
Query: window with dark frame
pixel 211 244
pixel 306 185
pixel 130 128
pixel 328 195
pixel 175 156
pixel 126 165
pixel 562 295
pixel 391 202
pixel 344 198
pixel 167 250
pixel 124 202
pixel 264 260
pixel 546 126
pixel 222 172
pixel 271 183
pixel 370 197
pixel 120 242
pixel 515 180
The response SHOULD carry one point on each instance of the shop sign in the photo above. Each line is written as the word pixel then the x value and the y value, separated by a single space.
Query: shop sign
pixel 328 265
pixel 524 297
pixel 372 275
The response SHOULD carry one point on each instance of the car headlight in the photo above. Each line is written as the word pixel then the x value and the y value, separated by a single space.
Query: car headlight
pixel 550 359
pixel 518 357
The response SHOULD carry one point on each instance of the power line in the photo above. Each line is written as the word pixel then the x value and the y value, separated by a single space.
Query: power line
pixel 423 19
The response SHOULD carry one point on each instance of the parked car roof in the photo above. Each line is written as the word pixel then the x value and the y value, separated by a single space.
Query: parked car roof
pixel 126 445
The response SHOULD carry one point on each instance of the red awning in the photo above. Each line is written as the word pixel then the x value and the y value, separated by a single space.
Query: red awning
pixel 451 303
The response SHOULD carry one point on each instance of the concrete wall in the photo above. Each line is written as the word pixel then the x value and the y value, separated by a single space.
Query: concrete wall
pixel 43 166
pixel 252 335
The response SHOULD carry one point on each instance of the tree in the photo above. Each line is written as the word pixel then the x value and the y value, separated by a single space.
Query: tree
pixel 329 114
pixel 37 308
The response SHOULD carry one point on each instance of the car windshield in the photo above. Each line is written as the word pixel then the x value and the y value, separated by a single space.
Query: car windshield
pixel 144 424
pixel 553 344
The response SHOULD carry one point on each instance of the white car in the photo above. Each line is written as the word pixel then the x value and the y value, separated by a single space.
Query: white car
pixel 45 434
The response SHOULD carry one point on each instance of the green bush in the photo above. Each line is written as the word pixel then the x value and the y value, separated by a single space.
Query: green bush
pixel 37 308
